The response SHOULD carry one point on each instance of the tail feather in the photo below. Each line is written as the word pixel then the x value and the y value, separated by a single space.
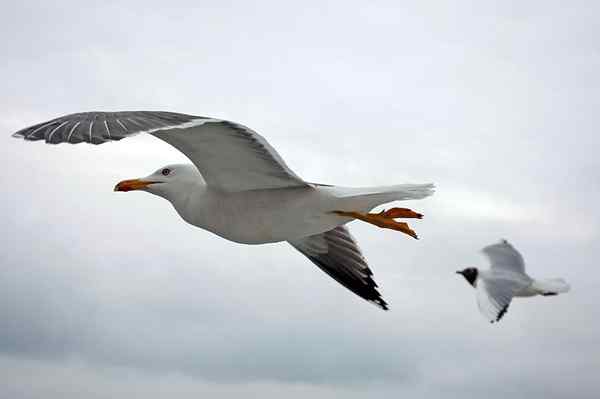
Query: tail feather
pixel 399 192
pixel 366 198
pixel 552 286
pixel 403 192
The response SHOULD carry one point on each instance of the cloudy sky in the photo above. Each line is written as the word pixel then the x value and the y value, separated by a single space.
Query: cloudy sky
pixel 107 295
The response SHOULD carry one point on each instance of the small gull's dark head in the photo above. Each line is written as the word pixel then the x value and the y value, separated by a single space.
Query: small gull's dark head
pixel 470 274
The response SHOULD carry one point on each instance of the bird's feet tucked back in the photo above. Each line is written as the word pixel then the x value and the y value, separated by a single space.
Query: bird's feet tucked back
pixel 385 219
pixel 396 213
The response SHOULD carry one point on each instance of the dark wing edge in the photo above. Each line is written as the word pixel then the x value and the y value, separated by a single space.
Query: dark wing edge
pixel 192 135
pixel 337 254
pixel 100 127
pixel 495 297
pixel 502 312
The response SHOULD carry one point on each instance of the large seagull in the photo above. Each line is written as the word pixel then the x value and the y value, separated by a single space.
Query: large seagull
pixel 241 189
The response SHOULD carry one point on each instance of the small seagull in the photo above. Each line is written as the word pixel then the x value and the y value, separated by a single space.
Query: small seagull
pixel 506 279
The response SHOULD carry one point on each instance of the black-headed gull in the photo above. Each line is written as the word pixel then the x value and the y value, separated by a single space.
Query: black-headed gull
pixel 505 280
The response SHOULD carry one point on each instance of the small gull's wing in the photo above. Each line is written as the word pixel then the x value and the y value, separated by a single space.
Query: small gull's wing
pixel 229 156
pixel 504 256
pixel 337 254
pixel 494 296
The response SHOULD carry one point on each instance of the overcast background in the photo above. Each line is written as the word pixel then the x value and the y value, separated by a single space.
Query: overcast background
pixel 107 295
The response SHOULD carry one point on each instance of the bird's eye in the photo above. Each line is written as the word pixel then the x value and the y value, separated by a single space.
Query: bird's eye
pixel 165 171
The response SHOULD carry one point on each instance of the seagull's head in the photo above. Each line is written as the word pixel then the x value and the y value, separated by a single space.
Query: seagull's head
pixel 470 274
pixel 165 182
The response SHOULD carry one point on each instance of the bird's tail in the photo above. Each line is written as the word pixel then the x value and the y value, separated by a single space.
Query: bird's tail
pixel 551 286
pixel 367 198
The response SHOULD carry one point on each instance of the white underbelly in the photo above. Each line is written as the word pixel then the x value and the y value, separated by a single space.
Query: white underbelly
pixel 265 216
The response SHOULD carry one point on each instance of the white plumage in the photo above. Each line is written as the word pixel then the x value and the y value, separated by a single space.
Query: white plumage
pixel 505 280
pixel 241 189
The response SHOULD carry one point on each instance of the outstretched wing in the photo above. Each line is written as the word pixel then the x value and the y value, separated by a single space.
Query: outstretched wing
pixel 494 296
pixel 337 254
pixel 229 156
pixel 504 256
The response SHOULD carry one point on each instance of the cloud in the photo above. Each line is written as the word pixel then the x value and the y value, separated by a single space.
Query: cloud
pixel 111 293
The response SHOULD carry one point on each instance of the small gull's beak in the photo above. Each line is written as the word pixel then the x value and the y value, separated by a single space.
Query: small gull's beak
pixel 133 184
pixel 459 272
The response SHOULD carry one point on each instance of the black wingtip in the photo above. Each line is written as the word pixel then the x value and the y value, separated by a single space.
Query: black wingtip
pixel 380 303
pixel 502 313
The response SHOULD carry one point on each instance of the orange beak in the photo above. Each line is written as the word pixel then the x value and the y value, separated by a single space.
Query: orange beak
pixel 133 184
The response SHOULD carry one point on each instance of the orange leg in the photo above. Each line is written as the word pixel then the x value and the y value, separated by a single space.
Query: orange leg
pixel 385 219
pixel 395 213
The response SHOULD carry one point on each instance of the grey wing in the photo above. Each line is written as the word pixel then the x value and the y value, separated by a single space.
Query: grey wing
pixel 504 256
pixel 494 296
pixel 337 254
pixel 100 127
pixel 230 156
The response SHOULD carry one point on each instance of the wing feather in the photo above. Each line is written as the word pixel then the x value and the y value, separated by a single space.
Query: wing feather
pixel 504 256
pixel 494 296
pixel 337 254
pixel 230 156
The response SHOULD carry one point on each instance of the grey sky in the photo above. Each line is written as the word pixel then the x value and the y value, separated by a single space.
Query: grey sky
pixel 109 295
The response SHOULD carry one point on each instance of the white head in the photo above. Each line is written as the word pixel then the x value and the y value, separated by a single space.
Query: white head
pixel 168 182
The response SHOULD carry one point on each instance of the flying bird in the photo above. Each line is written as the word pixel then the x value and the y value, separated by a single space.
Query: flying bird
pixel 241 189
pixel 505 280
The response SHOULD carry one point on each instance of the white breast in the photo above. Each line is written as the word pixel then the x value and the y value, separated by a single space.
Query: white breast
pixel 261 216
